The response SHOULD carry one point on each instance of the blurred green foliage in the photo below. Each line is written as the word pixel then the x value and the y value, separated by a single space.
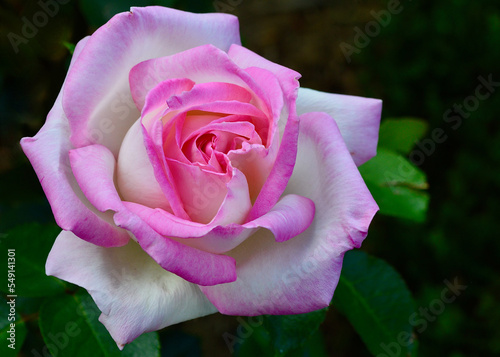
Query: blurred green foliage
pixel 377 303
pixel 425 62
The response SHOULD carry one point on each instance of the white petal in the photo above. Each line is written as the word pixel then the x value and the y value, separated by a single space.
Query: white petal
pixel 133 292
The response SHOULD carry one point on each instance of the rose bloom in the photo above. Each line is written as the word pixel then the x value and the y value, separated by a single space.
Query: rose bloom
pixel 190 175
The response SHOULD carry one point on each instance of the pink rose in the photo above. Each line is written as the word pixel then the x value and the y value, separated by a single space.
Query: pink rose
pixel 190 175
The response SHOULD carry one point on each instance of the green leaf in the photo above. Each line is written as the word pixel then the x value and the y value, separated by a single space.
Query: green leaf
pixel 289 332
pixel 28 305
pixel 259 343
pixel 378 304
pixel 70 327
pixel 17 332
pixel 256 343
pixel 400 135
pixel 69 46
pixel 32 243
pixel 397 186
pixel 313 347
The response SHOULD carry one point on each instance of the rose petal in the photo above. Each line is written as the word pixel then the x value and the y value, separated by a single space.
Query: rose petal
pixel 300 275
pixel 236 204
pixel 256 162
pixel 231 108
pixel 209 92
pixel 157 97
pixel 282 170
pixel 196 266
pixel 135 174
pixel 291 216
pixel 97 99
pixel 48 154
pixel 274 95
pixel 133 292
pixel 358 119
pixel 221 238
pixel 153 142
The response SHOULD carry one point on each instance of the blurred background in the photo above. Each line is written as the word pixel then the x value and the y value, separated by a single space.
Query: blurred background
pixel 425 60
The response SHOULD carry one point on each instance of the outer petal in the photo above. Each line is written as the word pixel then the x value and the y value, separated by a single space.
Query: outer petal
pixel 300 275
pixel 358 119
pixel 134 293
pixel 48 153
pixel 96 181
pixel 97 97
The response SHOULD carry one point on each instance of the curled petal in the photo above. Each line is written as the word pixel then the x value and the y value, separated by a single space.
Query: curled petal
pixel 290 217
pixel 256 162
pixel 94 168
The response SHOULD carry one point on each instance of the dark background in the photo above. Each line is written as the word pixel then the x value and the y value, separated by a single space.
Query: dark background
pixel 427 58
